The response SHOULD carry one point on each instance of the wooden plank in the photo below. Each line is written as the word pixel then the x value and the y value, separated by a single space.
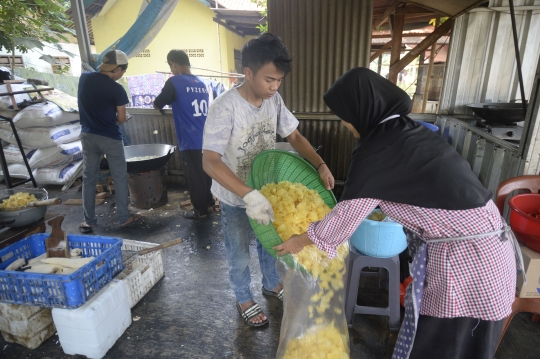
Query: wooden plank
pixel 389 10
pixel 397 30
pixel 421 47
pixel 13 235
pixel 430 71
pixel 79 202
pixel 380 51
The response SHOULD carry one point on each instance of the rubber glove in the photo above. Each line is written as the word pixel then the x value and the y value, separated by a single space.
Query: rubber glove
pixel 258 208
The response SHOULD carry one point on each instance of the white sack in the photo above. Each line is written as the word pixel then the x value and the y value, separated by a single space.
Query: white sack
pixel 43 137
pixel 57 156
pixel 43 115
pixel 5 101
pixel 16 170
pixel 13 154
pixel 56 175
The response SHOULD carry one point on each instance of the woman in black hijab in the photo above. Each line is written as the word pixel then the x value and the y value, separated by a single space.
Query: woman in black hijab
pixel 464 270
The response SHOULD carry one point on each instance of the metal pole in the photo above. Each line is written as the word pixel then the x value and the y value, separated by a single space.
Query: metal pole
pixel 79 19
pixel 518 56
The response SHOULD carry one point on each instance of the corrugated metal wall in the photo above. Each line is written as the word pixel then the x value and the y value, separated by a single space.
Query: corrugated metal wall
pixel 140 130
pixel 325 39
pixel 491 159
pixel 481 65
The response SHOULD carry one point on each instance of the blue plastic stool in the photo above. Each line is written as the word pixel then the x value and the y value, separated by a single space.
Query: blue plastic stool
pixel 356 262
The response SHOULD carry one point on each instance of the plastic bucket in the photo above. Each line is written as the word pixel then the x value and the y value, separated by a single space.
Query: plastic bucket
pixel 525 227
pixel 379 239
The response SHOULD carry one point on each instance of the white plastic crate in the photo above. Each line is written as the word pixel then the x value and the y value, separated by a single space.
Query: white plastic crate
pixel 140 272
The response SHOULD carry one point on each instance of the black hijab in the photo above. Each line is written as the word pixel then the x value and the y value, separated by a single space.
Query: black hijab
pixel 399 160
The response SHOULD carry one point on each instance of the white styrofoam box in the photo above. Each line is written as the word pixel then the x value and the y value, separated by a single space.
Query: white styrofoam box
pixel 141 272
pixel 93 328
pixel 29 326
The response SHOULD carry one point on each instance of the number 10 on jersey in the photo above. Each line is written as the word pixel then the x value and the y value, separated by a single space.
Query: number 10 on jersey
pixel 200 107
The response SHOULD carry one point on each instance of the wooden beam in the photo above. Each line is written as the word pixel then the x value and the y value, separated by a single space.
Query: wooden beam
pixel 421 47
pixel 216 20
pixel 380 51
pixel 397 31
pixel 387 36
pixel 430 71
pixel 414 9
pixel 389 10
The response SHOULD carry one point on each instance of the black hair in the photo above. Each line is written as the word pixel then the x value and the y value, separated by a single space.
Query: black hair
pixel 123 67
pixel 265 49
pixel 178 57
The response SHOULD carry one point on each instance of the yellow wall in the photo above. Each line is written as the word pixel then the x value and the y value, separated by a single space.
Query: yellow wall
pixel 190 26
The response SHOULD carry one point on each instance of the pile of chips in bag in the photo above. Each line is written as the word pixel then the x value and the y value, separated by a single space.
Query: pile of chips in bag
pixel 295 207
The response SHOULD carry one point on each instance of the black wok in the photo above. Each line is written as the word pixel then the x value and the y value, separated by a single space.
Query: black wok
pixel 498 112
pixel 163 153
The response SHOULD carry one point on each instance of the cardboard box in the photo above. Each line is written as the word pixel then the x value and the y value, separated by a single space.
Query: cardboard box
pixel 531 261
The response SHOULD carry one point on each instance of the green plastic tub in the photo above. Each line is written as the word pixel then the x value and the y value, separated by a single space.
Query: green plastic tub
pixel 274 166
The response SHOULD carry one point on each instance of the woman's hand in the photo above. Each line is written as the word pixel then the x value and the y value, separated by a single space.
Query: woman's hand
pixel 326 176
pixel 294 245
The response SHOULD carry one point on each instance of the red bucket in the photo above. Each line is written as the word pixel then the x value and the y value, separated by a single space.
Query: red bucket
pixel 525 226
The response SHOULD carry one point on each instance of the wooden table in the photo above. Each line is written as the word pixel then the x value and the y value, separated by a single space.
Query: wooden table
pixel 12 235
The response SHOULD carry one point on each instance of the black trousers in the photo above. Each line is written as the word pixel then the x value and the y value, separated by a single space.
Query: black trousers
pixel 456 338
pixel 198 181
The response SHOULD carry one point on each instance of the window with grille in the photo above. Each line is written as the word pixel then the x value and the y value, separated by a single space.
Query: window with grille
pixel 62 66
pixel 5 60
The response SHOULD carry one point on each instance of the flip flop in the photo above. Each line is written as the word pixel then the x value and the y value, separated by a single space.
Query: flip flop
pixel 85 228
pixel 252 311
pixel 135 218
pixel 271 293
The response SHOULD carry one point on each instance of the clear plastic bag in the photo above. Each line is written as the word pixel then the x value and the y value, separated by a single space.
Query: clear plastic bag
pixel 314 324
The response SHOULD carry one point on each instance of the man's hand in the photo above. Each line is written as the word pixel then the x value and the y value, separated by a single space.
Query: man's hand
pixel 258 207
pixel 294 245
pixel 326 176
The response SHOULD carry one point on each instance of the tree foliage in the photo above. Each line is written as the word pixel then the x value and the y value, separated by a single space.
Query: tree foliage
pixel 262 4
pixel 28 24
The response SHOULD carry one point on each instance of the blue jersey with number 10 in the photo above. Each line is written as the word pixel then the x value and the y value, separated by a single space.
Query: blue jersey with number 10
pixel 189 111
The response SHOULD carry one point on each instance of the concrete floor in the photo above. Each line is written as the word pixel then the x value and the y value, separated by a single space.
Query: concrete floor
pixel 191 312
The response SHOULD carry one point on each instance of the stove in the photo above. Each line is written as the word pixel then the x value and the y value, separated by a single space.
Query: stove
pixel 511 132
pixel 148 189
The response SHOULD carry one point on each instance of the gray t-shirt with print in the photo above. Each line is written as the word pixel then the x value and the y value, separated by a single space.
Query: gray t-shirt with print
pixel 239 131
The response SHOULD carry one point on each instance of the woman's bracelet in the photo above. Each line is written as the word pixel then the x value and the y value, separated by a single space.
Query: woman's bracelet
pixel 319 166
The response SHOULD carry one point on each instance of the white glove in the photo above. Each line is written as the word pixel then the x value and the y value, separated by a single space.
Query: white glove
pixel 258 207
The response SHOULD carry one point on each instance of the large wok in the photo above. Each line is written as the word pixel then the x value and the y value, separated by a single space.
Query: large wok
pixel 498 112
pixel 163 153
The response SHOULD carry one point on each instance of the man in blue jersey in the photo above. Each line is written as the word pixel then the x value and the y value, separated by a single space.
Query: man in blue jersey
pixel 102 107
pixel 189 99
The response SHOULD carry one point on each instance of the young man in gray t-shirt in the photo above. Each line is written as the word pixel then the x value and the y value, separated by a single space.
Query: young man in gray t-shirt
pixel 241 123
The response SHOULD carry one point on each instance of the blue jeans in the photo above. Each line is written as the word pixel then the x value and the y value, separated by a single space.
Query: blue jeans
pixel 237 234
pixel 93 147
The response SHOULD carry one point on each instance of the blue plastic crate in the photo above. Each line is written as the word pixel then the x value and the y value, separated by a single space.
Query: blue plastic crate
pixel 59 291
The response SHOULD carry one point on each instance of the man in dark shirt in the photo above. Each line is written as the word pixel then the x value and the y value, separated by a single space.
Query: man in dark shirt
pixel 102 105
pixel 189 99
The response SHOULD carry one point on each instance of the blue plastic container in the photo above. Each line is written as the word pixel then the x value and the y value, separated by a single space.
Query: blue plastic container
pixel 379 239
pixel 431 126
pixel 59 291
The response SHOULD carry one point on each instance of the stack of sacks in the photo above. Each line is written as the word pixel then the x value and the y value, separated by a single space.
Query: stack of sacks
pixel 15 162
pixel 51 140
